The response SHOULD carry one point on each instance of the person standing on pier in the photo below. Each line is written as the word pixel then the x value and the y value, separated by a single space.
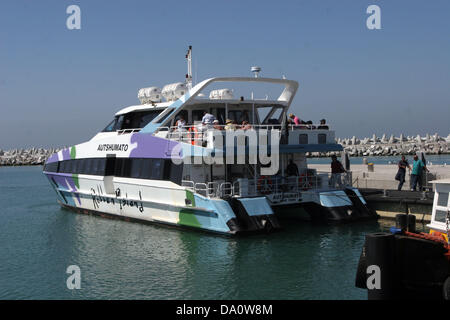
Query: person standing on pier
pixel 416 174
pixel 400 176
pixel 336 170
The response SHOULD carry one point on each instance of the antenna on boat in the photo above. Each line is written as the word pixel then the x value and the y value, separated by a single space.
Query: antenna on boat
pixel 189 74
pixel 256 70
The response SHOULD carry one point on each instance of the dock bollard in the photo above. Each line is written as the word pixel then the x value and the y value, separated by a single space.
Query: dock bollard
pixel 405 222
pixel 380 261
pixel 424 195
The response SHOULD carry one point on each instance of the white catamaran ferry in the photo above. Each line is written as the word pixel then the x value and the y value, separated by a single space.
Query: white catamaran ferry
pixel 162 161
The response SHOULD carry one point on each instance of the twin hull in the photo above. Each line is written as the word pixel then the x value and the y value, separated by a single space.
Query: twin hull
pixel 159 202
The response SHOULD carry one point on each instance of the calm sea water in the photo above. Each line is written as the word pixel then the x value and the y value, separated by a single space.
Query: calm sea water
pixel 123 260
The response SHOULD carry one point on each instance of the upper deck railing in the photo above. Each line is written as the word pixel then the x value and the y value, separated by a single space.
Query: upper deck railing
pixel 198 134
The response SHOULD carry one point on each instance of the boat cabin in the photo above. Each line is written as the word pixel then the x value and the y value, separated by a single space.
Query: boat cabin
pixel 441 208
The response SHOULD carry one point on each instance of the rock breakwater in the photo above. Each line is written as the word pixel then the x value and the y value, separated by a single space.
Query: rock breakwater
pixel 25 157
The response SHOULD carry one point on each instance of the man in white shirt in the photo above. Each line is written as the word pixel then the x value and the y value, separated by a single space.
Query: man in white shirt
pixel 208 118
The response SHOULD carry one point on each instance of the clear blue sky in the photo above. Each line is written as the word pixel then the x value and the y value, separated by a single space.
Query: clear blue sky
pixel 59 87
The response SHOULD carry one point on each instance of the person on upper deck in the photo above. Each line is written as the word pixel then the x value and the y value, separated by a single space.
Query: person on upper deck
pixel 323 125
pixel 309 125
pixel 293 119
pixel 216 125
pixel 208 118
pixel 181 123
pixel 245 125
pixel 230 125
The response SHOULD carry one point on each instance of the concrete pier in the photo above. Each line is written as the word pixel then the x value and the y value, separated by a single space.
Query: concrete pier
pixel 389 203
pixel 383 175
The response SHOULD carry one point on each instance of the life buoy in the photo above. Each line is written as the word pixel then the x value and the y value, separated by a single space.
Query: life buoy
pixel 264 184
pixel 194 136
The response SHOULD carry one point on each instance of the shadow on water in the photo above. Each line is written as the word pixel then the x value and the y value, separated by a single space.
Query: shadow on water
pixel 123 260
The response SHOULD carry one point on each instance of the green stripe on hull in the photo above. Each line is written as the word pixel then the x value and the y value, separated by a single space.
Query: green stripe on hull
pixel 188 218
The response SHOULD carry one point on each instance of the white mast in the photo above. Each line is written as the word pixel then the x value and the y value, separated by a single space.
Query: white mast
pixel 189 74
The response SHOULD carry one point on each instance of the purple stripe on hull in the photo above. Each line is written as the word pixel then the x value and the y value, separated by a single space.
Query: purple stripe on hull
pixel 149 146
pixel 66 182
pixel 53 158
pixel 66 154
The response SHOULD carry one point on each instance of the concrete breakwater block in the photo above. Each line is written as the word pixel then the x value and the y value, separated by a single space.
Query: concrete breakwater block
pixel 24 157
pixel 392 146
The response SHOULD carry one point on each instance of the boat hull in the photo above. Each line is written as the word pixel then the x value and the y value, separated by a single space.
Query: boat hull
pixel 156 202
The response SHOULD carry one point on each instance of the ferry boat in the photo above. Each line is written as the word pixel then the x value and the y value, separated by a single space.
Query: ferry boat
pixel 160 161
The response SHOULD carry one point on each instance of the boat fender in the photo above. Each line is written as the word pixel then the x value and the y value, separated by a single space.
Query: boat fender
pixel 405 222
pixel 446 289
pixel 380 252
pixel 361 275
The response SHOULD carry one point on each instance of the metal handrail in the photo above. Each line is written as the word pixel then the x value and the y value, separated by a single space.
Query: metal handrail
pixel 124 131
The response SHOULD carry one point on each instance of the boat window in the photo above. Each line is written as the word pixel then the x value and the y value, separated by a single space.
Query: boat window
pixel 122 167
pixel 322 138
pixel 111 126
pixel 440 216
pixel 442 199
pixel 164 117
pixel 197 115
pixel 132 120
pixel 63 167
pixel 146 172
pixel 75 166
pixel 263 112
pixel 220 115
pixel 136 168
pixel 82 166
pixel 147 118
pixel 277 114
pixel 303 138
pixel 156 169
pixel 51 167
pixel 182 113
pixel 172 172
pixel 239 116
